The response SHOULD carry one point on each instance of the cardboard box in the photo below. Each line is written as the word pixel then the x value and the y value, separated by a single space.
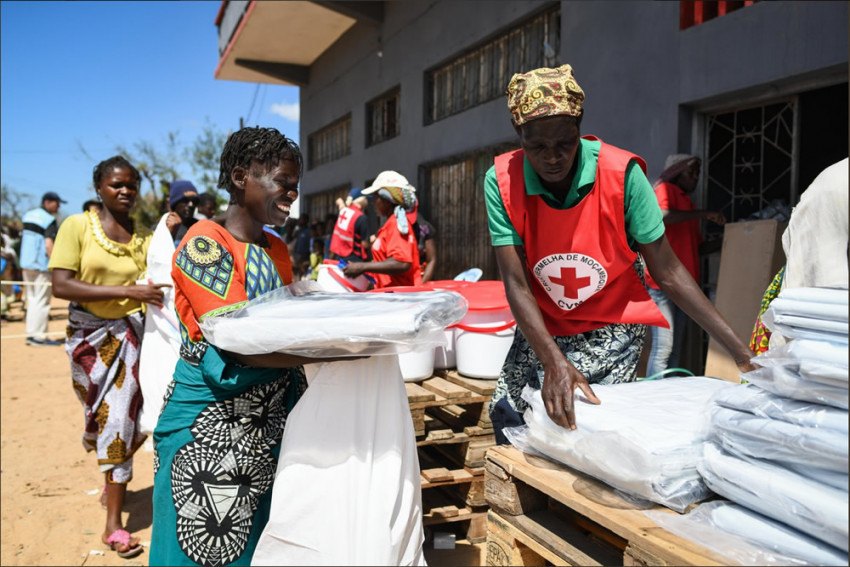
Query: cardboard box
pixel 751 255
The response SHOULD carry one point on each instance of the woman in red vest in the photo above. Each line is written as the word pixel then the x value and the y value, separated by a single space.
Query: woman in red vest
pixel 395 255
pixel 570 218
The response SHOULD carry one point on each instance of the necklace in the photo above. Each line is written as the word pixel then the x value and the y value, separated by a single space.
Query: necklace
pixel 106 243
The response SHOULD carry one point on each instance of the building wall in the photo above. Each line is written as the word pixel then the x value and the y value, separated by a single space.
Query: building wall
pixel 642 76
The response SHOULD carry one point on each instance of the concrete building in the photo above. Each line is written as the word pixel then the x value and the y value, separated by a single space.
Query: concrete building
pixel 757 89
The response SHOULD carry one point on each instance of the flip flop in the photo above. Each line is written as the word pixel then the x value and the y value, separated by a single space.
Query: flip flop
pixel 122 537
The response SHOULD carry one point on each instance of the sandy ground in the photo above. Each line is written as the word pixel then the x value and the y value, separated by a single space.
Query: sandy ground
pixel 50 510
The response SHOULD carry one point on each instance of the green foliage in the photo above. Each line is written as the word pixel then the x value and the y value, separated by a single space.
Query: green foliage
pixel 204 155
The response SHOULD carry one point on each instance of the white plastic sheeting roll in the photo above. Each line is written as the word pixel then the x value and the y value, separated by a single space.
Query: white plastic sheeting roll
pixel 347 489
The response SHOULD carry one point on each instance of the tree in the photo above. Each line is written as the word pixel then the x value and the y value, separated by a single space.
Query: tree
pixel 204 156
pixel 13 204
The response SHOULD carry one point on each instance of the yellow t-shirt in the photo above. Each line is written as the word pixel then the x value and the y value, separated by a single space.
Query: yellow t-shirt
pixel 82 246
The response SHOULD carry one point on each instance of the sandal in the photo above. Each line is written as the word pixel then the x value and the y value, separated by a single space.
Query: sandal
pixel 122 538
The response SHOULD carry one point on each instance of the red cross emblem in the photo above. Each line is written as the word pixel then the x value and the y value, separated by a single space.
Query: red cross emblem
pixel 571 283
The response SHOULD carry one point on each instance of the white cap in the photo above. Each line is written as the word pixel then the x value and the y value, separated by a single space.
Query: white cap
pixel 389 179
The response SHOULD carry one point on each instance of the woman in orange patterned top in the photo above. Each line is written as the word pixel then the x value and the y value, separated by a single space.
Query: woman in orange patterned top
pixel 218 437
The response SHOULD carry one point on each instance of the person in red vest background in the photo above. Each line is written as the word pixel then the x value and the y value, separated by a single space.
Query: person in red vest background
pixel 350 239
pixel 681 225
pixel 568 216
pixel 395 255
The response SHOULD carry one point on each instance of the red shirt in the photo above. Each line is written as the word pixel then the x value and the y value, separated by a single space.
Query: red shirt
pixel 390 243
pixel 578 260
pixel 684 237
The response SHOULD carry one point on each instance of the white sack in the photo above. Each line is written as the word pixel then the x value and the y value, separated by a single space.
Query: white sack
pixel 644 439
pixel 161 339
pixel 347 489
pixel 784 495
pixel 304 320
pixel 745 537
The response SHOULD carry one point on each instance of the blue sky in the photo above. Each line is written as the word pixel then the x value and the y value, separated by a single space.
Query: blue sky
pixel 104 74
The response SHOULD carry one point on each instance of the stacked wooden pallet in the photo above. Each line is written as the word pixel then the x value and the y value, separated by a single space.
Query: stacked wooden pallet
pixel 544 513
pixel 453 431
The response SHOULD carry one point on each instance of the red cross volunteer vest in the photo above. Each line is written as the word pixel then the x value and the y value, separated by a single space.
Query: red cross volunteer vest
pixel 578 259
pixel 344 241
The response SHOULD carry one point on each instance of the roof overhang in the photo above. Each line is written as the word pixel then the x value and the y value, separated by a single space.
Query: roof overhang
pixel 276 42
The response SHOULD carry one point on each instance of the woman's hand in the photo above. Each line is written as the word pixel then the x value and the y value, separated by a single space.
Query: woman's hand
pixel 558 393
pixel 147 293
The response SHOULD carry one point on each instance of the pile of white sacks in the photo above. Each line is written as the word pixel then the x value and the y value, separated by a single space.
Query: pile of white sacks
pixel 778 446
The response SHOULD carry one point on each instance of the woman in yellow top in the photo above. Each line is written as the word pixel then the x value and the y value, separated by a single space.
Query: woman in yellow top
pixel 97 258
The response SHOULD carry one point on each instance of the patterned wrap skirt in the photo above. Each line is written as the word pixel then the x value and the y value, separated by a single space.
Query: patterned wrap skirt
pixel 104 355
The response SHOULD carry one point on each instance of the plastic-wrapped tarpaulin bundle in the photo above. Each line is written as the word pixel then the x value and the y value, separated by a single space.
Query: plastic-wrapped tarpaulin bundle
pixel 784 381
pixel 347 489
pixel 818 361
pixel 777 440
pixel 644 439
pixel 757 401
pixel 812 507
pixel 739 535
pixel 809 313
pixel 302 320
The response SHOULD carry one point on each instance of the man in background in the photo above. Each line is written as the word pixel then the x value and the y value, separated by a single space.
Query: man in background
pixel 40 229
pixel 207 207
pixel 182 199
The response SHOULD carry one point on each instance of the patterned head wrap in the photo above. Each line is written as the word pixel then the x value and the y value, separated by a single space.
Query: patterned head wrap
pixel 542 93
pixel 404 199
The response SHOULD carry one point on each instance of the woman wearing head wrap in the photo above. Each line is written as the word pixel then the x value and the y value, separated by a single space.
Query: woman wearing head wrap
pixel 568 216
pixel 395 255
pixel 681 224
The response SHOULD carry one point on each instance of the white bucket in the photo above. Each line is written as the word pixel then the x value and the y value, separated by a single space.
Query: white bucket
pixel 331 278
pixel 484 336
pixel 417 365
pixel 445 357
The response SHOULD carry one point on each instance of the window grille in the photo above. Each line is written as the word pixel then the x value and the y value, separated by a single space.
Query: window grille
pixel 329 143
pixel 693 13
pixel 750 159
pixel 322 206
pixel 455 206
pixel 483 73
pixel 383 116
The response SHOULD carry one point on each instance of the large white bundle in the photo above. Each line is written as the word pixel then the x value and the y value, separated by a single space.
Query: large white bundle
pixel 785 381
pixel 300 319
pixel 809 313
pixel 745 537
pixel 810 506
pixel 818 361
pixel 777 440
pixel 347 489
pixel 644 439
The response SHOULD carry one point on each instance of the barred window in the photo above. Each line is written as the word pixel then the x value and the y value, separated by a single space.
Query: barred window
pixel 322 206
pixel 482 74
pixel 454 201
pixel 329 143
pixel 382 117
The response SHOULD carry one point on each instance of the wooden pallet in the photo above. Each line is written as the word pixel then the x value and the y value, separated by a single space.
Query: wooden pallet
pixel 542 512
pixel 451 419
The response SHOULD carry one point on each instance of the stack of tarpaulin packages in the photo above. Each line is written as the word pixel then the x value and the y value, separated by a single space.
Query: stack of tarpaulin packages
pixel 644 439
pixel 778 447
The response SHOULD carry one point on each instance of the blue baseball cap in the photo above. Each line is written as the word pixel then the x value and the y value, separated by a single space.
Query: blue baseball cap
pixel 355 192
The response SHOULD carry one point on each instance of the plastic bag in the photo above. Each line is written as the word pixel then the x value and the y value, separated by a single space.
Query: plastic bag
pixel 819 361
pixel 812 507
pixel 644 439
pixel 745 537
pixel 303 320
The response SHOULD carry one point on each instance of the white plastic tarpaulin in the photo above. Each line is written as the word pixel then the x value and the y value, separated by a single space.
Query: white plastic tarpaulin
pixel 812 507
pixel 347 489
pixel 742 536
pixel 644 439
